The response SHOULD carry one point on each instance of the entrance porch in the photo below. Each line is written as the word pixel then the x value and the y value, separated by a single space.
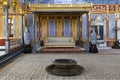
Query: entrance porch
pixel 59 20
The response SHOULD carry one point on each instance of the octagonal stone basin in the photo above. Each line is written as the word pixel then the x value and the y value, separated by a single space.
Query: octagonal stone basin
pixel 64 63
pixel 64 67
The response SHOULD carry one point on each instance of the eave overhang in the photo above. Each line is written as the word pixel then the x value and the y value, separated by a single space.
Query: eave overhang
pixel 67 8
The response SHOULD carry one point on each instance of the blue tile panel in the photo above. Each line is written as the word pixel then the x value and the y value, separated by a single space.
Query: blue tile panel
pixel 74 1
pixel 52 27
pixel 67 27
pixel 111 26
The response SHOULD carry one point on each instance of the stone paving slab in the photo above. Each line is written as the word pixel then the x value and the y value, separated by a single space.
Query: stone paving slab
pixel 32 67
pixel 110 51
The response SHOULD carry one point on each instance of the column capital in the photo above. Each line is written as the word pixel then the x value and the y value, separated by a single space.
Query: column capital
pixel 34 35
pixel 89 16
pixel 107 16
pixel 47 17
pixel 80 18
pixel 55 17
pixel 37 18
pixel 5 4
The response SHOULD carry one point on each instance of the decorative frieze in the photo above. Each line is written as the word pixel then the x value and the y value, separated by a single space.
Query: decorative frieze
pixel 112 8
pixel 105 8
pixel 118 7
pixel 98 8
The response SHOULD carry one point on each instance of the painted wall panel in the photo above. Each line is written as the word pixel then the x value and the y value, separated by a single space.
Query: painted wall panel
pixel 18 29
pixel 2 28
pixel 74 28
pixel 59 27
pixel 44 28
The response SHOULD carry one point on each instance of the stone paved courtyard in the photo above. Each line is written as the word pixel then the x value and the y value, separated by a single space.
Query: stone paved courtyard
pixel 32 66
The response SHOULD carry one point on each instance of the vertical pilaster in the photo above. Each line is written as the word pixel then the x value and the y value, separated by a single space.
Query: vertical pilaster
pixel 62 26
pixel 71 34
pixel 55 26
pixel 89 23
pixel 7 41
pixel 41 28
pixel 48 26
pixel 107 25
pixel 34 44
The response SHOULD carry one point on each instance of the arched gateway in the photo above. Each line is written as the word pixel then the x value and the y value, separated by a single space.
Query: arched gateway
pixel 59 20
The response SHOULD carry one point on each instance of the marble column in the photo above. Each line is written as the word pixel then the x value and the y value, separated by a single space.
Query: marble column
pixel 79 30
pixel 81 26
pixel 87 34
pixel 22 31
pixel 39 30
pixel 116 29
pixel 7 41
pixel 34 36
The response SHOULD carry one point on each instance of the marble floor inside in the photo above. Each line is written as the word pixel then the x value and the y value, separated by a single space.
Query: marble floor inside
pixel 101 66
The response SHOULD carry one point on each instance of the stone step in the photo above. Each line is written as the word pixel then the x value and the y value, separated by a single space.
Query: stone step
pixel 60 50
